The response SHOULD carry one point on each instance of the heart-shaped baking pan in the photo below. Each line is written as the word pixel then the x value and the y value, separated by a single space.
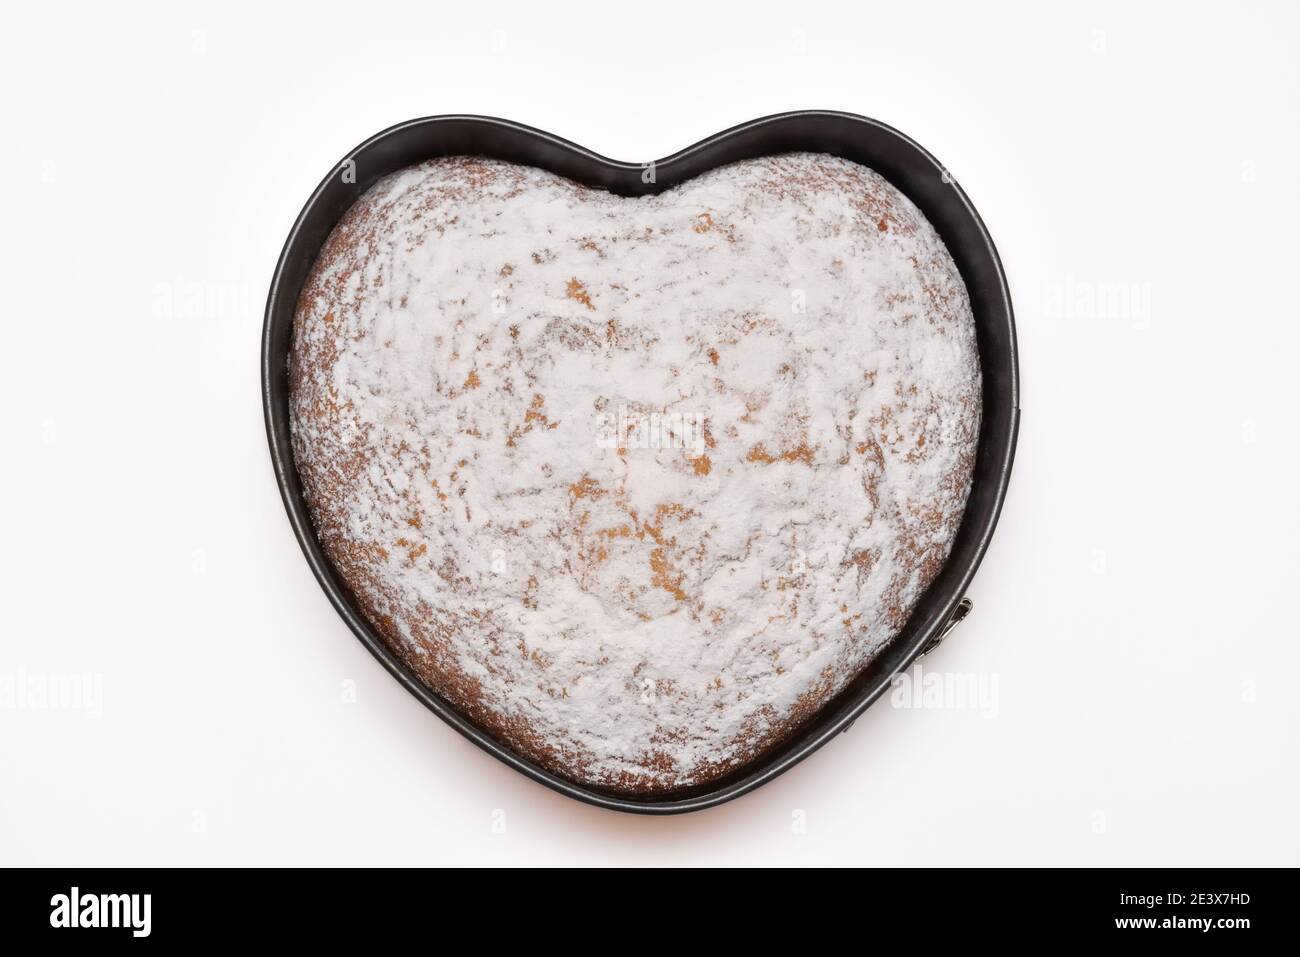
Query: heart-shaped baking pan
pixel 900 160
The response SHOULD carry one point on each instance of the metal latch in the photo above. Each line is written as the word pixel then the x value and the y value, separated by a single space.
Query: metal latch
pixel 958 615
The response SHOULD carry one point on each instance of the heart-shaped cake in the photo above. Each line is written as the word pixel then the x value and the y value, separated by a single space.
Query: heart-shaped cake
pixel 636 484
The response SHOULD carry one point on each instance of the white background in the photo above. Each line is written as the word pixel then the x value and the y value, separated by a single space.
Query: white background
pixel 1135 608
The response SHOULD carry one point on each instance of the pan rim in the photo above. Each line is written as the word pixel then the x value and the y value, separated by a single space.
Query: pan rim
pixel 804 742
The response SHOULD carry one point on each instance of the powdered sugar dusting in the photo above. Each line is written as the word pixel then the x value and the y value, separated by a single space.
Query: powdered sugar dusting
pixel 638 484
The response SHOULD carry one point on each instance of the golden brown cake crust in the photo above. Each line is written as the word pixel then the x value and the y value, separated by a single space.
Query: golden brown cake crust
pixel 636 485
